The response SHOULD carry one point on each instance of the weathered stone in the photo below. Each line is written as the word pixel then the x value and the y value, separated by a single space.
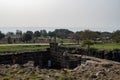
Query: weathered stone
pixel 15 66
pixel 5 79
pixel 1 74
pixel 107 65
pixel 93 76
pixel 101 72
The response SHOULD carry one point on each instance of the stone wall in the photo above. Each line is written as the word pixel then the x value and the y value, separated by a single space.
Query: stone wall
pixel 103 54
pixel 39 58
pixel 62 58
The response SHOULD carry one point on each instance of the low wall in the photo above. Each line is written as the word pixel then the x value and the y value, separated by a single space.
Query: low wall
pixel 40 58
pixel 103 54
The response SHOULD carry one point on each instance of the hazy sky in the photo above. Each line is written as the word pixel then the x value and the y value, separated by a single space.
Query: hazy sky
pixel 100 15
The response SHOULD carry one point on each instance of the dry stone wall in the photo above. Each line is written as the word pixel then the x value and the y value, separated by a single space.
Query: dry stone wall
pixel 40 58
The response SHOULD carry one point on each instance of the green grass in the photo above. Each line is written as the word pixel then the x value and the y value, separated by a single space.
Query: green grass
pixel 107 46
pixel 64 40
pixel 37 47
pixel 22 47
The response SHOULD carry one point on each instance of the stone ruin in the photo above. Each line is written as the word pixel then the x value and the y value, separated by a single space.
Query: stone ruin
pixel 113 55
pixel 62 57
pixel 55 56
pixel 39 58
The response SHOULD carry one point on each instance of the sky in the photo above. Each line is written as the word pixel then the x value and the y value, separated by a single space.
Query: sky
pixel 98 15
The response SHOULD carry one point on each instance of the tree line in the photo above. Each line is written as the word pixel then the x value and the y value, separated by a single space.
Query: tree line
pixel 62 34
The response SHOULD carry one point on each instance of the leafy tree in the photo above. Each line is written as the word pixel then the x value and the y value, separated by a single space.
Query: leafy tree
pixel 62 33
pixel 116 36
pixel 43 33
pixel 77 37
pixel 37 34
pixel 19 35
pixel 51 34
pixel 105 35
pixel 88 35
pixel 26 37
pixel 2 35
pixel 71 35
pixel 10 34
pixel 9 40
pixel 30 32
pixel 88 43
pixel 18 32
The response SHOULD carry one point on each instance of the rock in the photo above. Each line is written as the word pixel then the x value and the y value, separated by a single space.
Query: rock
pixel 1 74
pixel 19 77
pixel 30 70
pixel 16 66
pixel 29 64
pixel 5 79
pixel 93 76
pixel 6 66
pixel 47 76
pixel 117 72
pixel 108 65
pixel 101 72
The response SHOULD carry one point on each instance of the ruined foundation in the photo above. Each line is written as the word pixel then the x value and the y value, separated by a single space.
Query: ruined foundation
pixel 57 56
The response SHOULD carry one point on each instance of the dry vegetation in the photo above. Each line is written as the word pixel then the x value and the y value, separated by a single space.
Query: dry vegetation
pixel 90 70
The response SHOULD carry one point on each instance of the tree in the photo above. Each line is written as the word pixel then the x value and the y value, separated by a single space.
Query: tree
pixel 2 35
pixel 88 35
pixel 43 33
pixel 19 35
pixel 105 35
pixel 9 40
pixel 30 32
pixel 10 34
pixel 116 36
pixel 37 34
pixel 26 37
pixel 51 34
pixel 62 33
pixel 88 43
pixel 77 37
pixel 71 35
pixel 18 32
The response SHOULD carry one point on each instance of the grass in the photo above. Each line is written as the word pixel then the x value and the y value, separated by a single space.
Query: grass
pixel 37 47
pixel 107 46
pixel 64 40
pixel 21 47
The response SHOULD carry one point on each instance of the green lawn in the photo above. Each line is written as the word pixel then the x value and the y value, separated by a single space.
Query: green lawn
pixel 24 47
pixel 107 46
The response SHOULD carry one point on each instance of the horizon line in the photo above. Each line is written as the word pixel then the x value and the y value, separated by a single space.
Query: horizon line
pixel 74 29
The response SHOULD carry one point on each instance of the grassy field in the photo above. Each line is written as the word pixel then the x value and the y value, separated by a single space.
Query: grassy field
pixel 23 47
pixel 107 46
pixel 36 47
